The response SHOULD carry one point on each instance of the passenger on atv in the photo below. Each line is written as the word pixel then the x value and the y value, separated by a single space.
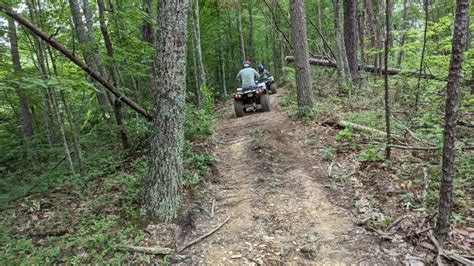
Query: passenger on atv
pixel 267 79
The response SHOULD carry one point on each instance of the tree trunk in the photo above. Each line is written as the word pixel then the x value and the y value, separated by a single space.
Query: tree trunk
pixel 350 37
pixel 45 95
pixel 404 28
pixel 452 102
pixel 89 56
pixel 300 44
pixel 149 37
pixel 75 132
pixel 113 74
pixel 241 35
pixel 251 48
pixel 26 117
pixel 388 36
pixel 60 118
pixel 197 43
pixel 341 60
pixel 162 195
pixel 426 4
pixel 362 18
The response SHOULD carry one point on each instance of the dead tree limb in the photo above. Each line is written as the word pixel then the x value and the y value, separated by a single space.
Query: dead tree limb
pixel 55 44
pixel 372 69
pixel 203 236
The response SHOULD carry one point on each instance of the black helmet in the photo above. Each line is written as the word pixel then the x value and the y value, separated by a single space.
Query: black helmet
pixel 261 67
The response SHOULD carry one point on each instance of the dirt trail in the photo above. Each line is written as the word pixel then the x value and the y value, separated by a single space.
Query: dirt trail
pixel 279 211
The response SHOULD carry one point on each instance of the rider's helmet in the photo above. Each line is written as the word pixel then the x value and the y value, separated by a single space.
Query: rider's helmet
pixel 261 67
pixel 247 64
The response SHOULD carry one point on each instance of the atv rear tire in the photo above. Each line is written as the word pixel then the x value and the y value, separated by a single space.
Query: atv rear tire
pixel 273 88
pixel 239 109
pixel 265 102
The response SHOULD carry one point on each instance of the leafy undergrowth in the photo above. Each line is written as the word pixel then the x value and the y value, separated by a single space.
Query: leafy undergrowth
pixel 379 191
pixel 49 216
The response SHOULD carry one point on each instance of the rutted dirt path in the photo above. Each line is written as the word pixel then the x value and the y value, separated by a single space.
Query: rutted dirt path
pixel 269 185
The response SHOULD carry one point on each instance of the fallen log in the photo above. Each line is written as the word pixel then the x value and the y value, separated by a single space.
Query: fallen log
pixel 319 61
pixel 76 60
pixel 147 250
pixel 345 124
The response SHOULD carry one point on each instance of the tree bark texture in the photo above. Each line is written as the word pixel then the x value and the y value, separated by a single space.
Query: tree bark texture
pixel 350 37
pixel 301 50
pixel 162 197
pixel 26 117
pixel 452 102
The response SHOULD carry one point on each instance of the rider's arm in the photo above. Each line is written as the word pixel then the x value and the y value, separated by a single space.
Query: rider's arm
pixel 238 76
pixel 257 76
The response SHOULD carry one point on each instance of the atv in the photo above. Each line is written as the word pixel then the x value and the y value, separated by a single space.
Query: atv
pixel 269 83
pixel 253 97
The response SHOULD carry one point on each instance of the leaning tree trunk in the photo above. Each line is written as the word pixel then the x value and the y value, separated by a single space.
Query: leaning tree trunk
pixel 162 195
pixel 241 34
pixel 388 36
pixel 452 101
pixel 300 44
pixel 26 117
pixel 350 37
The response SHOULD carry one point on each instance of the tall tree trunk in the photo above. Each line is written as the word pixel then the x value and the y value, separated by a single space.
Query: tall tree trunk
pixel 162 195
pixel 404 28
pixel 113 74
pixel 195 72
pixel 350 37
pixel 341 60
pixel 426 4
pixel 241 35
pixel 388 36
pixel 45 95
pixel 60 118
pixel 362 18
pixel 35 12
pixel 452 102
pixel 251 48
pixel 26 117
pixel 149 37
pixel 75 132
pixel 88 53
pixel 300 44
pixel 197 43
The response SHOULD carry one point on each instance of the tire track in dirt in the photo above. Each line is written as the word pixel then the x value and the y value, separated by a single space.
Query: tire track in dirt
pixel 279 213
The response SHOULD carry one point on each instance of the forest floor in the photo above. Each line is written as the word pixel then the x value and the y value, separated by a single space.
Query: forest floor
pixel 273 183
